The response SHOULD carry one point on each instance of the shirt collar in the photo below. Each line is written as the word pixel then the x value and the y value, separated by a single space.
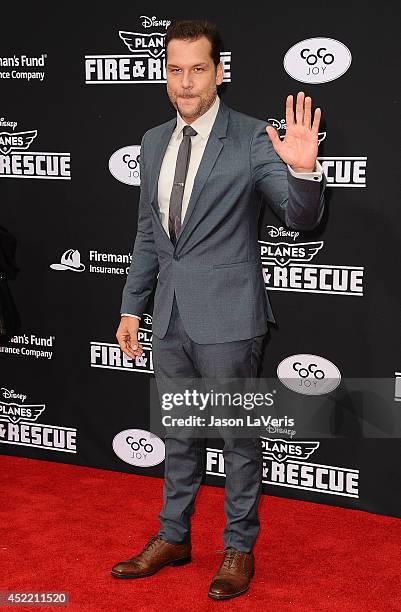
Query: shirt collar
pixel 203 124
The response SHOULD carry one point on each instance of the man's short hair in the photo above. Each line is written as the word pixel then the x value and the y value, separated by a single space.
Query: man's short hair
pixel 194 29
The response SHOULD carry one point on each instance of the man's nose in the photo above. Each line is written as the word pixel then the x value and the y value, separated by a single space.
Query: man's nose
pixel 186 80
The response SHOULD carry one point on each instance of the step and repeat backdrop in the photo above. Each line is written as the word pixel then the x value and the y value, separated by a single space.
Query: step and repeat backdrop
pixel 79 88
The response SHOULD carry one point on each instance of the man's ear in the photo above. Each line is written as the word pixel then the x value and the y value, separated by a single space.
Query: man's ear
pixel 219 73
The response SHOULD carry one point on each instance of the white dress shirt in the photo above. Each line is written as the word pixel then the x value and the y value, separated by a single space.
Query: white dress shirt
pixel 203 126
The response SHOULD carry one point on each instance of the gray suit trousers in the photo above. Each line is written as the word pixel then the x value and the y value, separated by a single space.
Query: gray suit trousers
pixel 176 355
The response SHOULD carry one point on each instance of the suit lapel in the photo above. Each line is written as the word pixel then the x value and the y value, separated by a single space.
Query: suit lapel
pixel 212 150
pixel 157 163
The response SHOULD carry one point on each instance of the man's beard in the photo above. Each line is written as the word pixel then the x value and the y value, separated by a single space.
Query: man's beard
pixel 200 109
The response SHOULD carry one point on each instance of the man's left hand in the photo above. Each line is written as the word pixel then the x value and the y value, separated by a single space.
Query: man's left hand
pixel 299 147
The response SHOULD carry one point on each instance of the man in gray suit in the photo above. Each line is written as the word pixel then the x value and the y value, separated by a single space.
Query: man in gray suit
pixel 204 174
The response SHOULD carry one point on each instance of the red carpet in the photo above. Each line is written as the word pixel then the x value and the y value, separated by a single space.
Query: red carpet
pixel 64 526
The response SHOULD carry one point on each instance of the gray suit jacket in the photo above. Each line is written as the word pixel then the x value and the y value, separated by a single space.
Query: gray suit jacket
pixel 215 268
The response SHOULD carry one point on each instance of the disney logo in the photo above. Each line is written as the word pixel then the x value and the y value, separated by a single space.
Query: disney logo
pixel 281 430
pixel 147 319
pixel 152 22
pixel 275 232
pixel 281 124
pixel 11 394
pixel 278 124
pixel 5 123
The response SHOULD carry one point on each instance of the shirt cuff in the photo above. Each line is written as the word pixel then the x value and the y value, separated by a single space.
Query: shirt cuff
pixel 316 175
pixel 125 314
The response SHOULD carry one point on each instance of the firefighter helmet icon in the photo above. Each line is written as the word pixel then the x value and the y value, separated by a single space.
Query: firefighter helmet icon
pixel 70 260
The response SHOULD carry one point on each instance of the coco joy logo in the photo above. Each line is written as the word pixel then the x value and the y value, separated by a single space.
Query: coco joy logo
pixel 139 447
pixel 309 374
pixel 124 165
pixel 317 60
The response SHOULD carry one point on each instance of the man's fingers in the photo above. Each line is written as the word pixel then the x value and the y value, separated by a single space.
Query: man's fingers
pixel 274 137
pixel 289 111
pixel 308 111
pixel 316 121
pixel 125 348
pixel 129 344
pixel 300 107
pixel 132 342
pixel 129 350
pixel 134 351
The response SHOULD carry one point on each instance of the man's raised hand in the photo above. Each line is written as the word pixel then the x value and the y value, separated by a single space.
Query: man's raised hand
pixel 299 147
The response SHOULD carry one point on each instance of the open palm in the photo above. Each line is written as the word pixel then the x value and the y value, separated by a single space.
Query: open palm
pixel 299 147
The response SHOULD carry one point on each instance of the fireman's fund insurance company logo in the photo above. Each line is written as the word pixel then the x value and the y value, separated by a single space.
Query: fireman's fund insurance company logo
pixel 18 161
pixel 100 262
pixel 143 60
pixel 23 68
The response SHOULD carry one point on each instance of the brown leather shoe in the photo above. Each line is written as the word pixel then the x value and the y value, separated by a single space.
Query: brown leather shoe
pixel 234 574
pixel 156 554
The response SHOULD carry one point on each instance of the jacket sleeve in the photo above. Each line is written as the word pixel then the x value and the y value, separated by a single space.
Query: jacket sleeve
pixel 143 271
pixel 298 202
